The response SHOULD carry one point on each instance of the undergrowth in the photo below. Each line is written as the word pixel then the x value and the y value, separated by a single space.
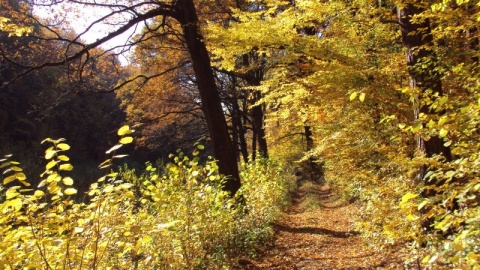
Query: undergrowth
pixel 177 219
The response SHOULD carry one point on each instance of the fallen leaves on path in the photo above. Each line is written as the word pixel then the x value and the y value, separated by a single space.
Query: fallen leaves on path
pixel 317 232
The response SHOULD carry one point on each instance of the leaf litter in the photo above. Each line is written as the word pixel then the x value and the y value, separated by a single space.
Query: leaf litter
pixel 317 232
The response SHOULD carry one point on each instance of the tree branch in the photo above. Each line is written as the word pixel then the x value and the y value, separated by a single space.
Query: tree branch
pixel 164 10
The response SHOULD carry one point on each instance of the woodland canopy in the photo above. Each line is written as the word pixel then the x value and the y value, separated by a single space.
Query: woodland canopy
pixel 379 99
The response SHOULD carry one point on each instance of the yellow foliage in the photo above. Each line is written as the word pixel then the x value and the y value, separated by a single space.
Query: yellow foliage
pixel 180 219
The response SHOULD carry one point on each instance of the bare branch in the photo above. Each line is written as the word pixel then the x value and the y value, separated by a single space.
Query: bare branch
pixel 146 78
pixel 164 10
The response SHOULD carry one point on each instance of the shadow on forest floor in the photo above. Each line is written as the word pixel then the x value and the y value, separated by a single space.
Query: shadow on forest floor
pixel 317 232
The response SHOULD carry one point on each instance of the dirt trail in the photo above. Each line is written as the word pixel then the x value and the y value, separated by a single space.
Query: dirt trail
pixel 317 232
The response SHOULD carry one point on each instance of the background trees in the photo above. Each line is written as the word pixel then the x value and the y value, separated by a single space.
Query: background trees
pixel 321 55
pixel 49 102
pixel 323 82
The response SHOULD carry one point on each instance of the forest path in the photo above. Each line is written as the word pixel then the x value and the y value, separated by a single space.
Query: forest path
pixel 316 232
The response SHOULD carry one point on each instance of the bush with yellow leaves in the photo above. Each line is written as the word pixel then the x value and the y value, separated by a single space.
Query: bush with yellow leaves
pixel 180 219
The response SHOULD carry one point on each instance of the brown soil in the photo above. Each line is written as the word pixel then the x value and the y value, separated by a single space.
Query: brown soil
pixel 317 232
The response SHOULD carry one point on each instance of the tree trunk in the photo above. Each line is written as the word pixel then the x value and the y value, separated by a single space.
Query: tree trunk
pixel 238 128
pixel 421 63
pixel 253 78
pixel 315 172
pixel 241 131
pixel 211 104
pixel 258 126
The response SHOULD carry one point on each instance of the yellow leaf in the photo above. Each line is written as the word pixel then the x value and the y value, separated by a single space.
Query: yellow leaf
pixel 63 146
pixel 39 193
pixel 24 183
pixel 53 177
pixel 443 133
pixel 362 97
pixel 11 193
pixel 49 153
pixel 15 203
pixel 108 189
pixel 126 140
pixel 51 164
pixel 63 158
pixel 16 168
pixel 20 176
pixel 472 257
pixel 9 179
pixel 408 196
pixel 70 191
pixel 353 96
pixel 124 130
pixel 66 167
pixel 68 181
pixel 412 217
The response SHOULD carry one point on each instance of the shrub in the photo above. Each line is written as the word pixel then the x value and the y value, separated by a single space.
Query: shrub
pixel 180 219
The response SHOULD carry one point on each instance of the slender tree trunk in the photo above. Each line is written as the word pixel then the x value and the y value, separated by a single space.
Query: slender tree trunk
pixel 211 104
pixel 308 137
pixel 258 117
pixel 316 173
pixel 253 78
pixel 421 63
pixel 237 121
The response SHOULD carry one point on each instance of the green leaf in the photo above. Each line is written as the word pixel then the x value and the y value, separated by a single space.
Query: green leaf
pixel 126 140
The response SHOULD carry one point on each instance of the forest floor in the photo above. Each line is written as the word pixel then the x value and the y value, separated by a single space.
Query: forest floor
pixel 317 232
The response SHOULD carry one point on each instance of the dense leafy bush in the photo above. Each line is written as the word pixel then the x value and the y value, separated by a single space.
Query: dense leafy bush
pixel 179 219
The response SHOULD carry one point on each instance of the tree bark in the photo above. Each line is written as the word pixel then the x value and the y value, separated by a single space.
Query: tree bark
pixel 254 78
pixel 238 128
pixel 211 104
pixel 258 126
pixel 421 62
